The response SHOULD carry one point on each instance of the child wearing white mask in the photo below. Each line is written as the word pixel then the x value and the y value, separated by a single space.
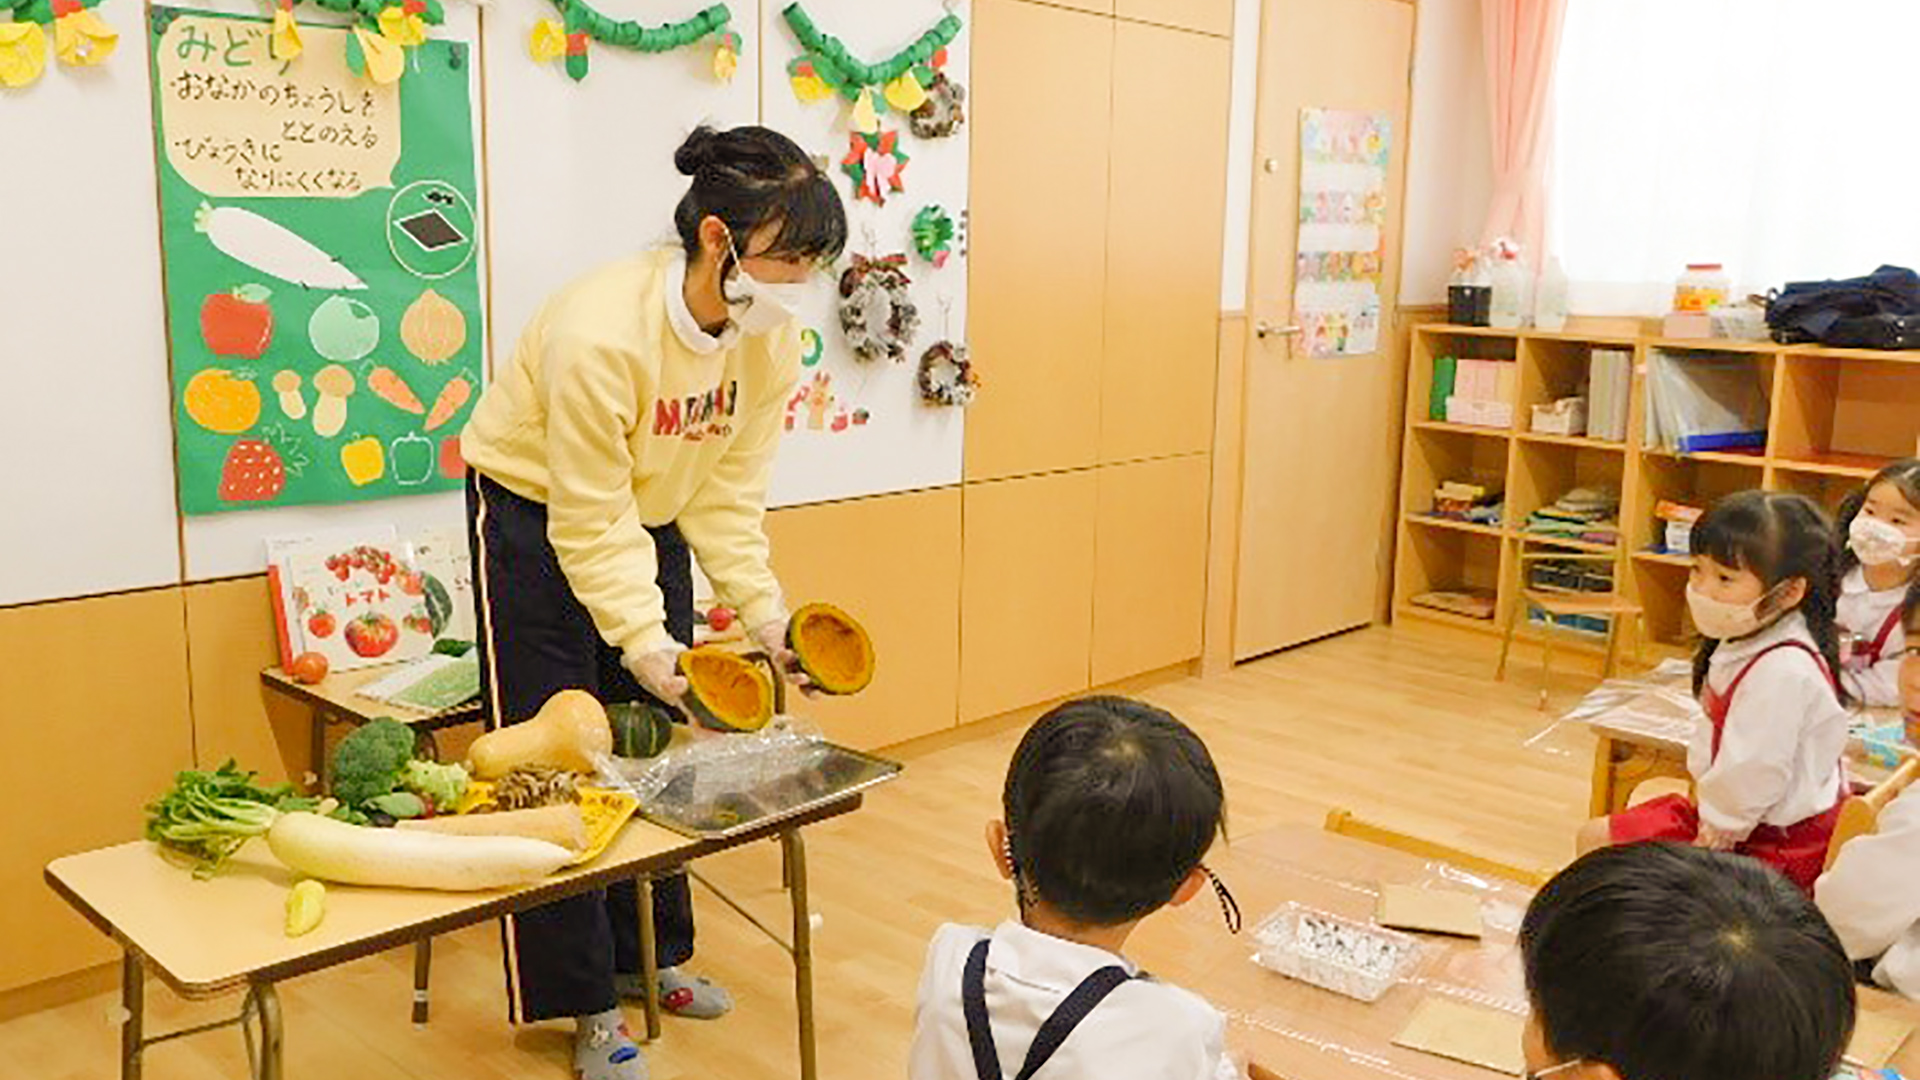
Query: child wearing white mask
pixel 1868 896
pixel 1766 766
pixel 1881 524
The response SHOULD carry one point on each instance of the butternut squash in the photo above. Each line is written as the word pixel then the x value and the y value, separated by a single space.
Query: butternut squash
pixel 565 734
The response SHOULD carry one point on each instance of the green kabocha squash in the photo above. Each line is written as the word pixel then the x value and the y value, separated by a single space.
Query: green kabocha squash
pixel 726 690
pixel 641 729
pixel 833 649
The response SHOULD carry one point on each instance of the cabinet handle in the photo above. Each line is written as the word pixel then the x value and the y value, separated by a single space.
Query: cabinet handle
pixel 1267 330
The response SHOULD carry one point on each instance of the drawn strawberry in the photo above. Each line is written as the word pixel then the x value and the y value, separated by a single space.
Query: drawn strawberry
pixel 256 470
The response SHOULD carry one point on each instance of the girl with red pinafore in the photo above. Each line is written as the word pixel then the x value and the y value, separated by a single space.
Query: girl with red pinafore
pixel 1767 765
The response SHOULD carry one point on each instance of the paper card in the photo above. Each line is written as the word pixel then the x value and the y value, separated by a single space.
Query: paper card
pixel 1466 1033
pixel 1434 911
pixel 1876 1038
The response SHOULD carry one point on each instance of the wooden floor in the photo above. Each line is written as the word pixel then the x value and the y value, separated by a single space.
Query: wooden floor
pixel 1405 726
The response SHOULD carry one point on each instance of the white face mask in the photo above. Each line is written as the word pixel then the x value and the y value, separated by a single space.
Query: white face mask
pixel 756 306
pixel 1877 542
pixel 1722 620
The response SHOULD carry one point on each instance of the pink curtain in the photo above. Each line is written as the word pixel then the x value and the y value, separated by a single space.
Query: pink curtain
pixel 1522 45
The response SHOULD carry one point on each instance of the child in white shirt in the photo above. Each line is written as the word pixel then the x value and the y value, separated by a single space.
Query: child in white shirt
pixel 1767 766
pixel 1881 525
pixel 1869 895
pixel 1110 806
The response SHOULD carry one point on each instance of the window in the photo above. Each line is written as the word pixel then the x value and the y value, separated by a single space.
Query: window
pixel 1774 136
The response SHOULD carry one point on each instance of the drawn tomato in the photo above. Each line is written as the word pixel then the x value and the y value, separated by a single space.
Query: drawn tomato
pixel 321 625
pixel 372 635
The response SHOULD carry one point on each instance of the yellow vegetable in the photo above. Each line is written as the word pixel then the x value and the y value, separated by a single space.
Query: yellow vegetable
pixel 306 906
pixel 565 734
pixel 221 402
pixel 365 461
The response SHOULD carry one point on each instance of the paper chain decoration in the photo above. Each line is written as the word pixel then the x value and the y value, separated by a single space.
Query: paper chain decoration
pixel 933 233
pixel 826 66
pixel 81 38
pixel 567 37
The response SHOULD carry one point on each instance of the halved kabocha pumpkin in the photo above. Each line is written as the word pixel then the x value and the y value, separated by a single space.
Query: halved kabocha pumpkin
pixel 726 690
pixel 832 648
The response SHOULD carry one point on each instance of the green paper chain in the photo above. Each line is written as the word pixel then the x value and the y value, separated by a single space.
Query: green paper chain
pixel 581 18
pixel 368 11
pixel 850 75
pixel 39 11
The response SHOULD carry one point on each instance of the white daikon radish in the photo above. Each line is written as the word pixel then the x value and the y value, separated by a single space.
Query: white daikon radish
pixel 563 825
pixel 272 248
pixel 330 850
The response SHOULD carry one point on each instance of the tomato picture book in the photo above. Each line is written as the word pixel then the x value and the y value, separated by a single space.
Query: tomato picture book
pixel 361 605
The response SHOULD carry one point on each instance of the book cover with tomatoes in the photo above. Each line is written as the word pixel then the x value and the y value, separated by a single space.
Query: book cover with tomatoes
pixel 364 604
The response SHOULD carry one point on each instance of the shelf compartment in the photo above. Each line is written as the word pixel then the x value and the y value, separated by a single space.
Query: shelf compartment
pixel 1580 441
pixel 1693 479
pixel 1462 344
pixel 1545 471
pixel 1436 455
pixel 1660 585
pixel 1844 417
pixel 1439 555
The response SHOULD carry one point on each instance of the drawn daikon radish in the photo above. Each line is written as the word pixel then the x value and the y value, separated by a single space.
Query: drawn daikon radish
pixel 287 385
pixel 335 384
pixel 272 248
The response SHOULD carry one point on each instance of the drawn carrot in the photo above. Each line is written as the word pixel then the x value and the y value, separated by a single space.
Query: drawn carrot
pixel 453 397
pixel 389 387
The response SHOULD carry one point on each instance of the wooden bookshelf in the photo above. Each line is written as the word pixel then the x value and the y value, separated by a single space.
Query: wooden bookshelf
pixel 1835 417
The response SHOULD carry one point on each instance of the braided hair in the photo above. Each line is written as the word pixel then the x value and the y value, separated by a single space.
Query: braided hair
pixel 1778 536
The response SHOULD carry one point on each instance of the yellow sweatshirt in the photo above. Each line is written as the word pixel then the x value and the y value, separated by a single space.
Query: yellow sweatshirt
pixel 608 416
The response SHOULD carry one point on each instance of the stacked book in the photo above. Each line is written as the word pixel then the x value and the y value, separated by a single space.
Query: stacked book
pixel 1460 501
pixel 1590 515
pixel 1609 394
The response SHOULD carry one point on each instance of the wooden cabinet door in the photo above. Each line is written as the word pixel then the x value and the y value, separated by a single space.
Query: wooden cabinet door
pixel 1026 594
pixel 96 690
pixel 1322 434
pixel 893 563
pixel 1040 105
pixel 1206 16
pixel 1150 565
pixel 1164 220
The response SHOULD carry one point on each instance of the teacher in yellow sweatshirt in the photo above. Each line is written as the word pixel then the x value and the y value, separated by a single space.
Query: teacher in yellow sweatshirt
pixel 632 431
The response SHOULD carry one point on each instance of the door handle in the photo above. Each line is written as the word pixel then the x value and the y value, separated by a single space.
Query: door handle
pixel 1267 330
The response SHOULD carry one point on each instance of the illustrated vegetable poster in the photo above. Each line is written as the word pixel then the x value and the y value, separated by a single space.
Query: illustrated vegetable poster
pixel 320 239
pixel 1341 251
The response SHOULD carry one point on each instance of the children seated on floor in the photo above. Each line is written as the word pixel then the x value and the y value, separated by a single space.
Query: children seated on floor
pixel 1767 767
pixel 1869 896
pixel 1880 524
pixel 1664 962
pixel 1110 806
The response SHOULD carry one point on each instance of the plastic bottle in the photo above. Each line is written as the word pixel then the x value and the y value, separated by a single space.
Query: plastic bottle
pixel 1509 294
pixel 1550 299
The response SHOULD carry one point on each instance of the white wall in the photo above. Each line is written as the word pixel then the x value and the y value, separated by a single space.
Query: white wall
pixel 1449 167
pixel 1449 171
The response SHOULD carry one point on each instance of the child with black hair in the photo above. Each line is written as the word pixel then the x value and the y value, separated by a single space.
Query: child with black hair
pixel 1110 806
pixel 1868 896
pixel 1663 962
pixel 1881 524
pixel 1767 765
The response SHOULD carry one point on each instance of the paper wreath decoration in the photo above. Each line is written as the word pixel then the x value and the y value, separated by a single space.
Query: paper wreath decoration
pixel 875 163
pixel 580 22
pixel 944 110
pixel 877 315
pixel 947 376
pixel 933 235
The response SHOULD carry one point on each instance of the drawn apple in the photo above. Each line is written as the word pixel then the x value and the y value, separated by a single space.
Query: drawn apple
pixel 372 635
pixel 238 323
pixel 343 330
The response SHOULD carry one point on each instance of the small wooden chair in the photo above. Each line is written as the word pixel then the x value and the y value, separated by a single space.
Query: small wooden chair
pixel 1344 823
pixel 1558 603
pixel 1860 814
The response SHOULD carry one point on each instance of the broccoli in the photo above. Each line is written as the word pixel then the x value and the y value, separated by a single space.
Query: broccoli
pixel 441 785
pixel 368 762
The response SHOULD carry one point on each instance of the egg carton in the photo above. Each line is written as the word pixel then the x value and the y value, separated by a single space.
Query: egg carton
pixel 1356 959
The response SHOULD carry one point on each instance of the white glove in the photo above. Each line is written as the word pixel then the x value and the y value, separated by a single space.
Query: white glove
pixel 658 671
pixel 771 636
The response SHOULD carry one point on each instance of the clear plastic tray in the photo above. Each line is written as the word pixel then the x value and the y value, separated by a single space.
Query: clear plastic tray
pixel 1353 958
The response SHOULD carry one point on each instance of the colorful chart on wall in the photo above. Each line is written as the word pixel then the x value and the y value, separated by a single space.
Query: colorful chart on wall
pixel 320 236
pixel 1341 251
pixel 895 143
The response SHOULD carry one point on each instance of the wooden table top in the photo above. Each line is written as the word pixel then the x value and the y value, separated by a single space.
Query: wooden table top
pixel 340 692
pixel 1302 1032
pixel 1658 710
pixel 207 937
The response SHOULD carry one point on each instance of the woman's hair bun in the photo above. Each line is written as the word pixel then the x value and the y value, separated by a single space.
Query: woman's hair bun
pixel 697 152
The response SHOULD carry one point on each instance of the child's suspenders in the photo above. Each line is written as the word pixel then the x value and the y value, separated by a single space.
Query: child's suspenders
pixel 973 998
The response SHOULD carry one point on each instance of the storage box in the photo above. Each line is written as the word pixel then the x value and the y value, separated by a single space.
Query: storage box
pixel 1679 537
pixel 1496 414
pixel 1347 957
pixel 1688 325
pixel 1567 416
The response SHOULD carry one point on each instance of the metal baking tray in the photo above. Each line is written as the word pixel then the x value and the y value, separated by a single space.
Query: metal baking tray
pixel 823 774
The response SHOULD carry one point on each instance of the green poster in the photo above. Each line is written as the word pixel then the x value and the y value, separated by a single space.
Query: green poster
pixel 320 235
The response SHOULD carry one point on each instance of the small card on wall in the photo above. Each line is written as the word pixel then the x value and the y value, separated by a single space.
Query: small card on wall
pixel 1433 911
pixel 1876 1038
pixel 1466 1033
